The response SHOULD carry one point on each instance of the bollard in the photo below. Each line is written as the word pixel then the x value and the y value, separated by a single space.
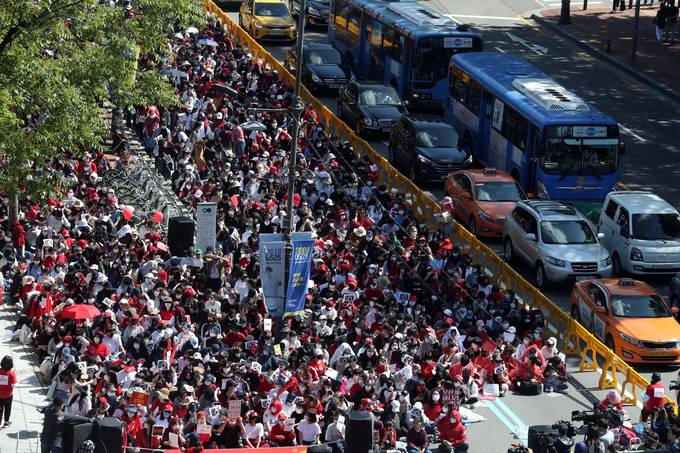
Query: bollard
pixel 622 6
pixel 565 18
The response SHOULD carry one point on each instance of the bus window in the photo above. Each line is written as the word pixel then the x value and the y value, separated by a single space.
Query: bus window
pixel 488 104
pixel 340 13
pixel 354 21
pixel 376 34
pixel 474 97
pixel 515 128
pixel 432 59
pixel 393 44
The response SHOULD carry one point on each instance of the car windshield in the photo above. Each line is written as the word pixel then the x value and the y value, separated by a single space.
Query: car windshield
pixel 379 96
pixel 566 232
pixel 642 306
pixel 580 157
pixel 440 137
pixel 498 191
pixel 322 56
pixel 656 226
pixel 271 9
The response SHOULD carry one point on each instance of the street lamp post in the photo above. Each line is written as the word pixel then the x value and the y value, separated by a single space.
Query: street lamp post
pixel 565 18
pixel 636 29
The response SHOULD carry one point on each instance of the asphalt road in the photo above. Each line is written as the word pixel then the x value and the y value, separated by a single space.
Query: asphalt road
pixel 649 127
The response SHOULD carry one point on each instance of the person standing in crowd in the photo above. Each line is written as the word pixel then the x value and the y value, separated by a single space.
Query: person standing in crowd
pixel 654 397
pixel 52 436
pixel 8 379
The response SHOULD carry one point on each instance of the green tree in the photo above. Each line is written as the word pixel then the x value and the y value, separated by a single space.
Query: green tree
pixel 60 60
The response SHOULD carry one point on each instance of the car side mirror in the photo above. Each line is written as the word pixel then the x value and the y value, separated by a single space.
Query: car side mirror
pixel 531 196
pixel 600 236
pixel 531 237
pixel 623 231
pixel 467 195
pixel 622 148
pixel 600 309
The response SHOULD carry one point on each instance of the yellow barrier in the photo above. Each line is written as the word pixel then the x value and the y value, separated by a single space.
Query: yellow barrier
pixel 575 339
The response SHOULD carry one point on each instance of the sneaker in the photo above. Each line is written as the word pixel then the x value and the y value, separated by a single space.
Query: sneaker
pixel 7 423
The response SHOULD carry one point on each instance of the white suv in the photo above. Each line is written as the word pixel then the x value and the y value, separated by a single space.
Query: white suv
pixel 556 240
pixel 642 233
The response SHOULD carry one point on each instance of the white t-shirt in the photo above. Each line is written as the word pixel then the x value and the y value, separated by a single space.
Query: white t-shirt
pixel 308 431
pixel 254 432
pixel 114 343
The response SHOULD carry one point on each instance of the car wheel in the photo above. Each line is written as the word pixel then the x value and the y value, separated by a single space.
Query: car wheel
pixel 574 313
pixel 508 251
pixel 472 226
pixel 617 267
pixel 609 342
pixel 540 276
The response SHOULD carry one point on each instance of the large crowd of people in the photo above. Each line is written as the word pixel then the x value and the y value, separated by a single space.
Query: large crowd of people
pixel 398 321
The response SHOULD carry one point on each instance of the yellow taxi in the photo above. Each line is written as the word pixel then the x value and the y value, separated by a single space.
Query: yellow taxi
pixel 629 317
pixel 267 19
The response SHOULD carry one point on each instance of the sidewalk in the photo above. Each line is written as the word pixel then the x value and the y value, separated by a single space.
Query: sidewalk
pixel 659 62
pixel 29 394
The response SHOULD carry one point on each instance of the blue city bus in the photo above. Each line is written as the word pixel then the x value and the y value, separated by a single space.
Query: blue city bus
pixel 400 42
pixel 517 119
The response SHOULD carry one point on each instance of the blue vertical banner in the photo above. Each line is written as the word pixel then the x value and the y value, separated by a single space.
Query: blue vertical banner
pixel 298 277
pixel 273 272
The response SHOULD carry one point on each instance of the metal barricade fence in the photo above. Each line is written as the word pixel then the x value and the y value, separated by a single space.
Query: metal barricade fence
pixel 575 339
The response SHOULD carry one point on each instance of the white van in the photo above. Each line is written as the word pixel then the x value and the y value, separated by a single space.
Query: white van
pixel 642 233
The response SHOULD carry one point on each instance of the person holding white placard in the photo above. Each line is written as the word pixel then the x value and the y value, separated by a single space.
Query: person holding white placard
pixel 653 397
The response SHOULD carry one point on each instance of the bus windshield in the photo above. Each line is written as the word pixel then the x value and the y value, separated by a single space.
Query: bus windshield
pixel 431 62
pixel 564 156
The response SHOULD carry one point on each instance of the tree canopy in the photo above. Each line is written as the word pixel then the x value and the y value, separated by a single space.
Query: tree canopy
pixel 60 60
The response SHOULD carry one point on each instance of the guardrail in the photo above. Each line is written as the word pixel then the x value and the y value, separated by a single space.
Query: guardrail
pixel 576 339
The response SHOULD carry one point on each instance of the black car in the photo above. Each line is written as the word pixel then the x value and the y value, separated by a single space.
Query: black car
pixel 426 148
pixel 322 67
pixel 317 11
pixel 674 296
pixel 370 107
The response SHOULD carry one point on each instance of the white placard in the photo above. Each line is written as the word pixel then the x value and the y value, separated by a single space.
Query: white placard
pixel 214 411
pixel 203 428
pixel 267 325
pixel 498 114
pixel 402 297
pixel 234 409
pixel 658 392
pixel 4 379
pixel 206 226
pixel 331 373
pixel 173 439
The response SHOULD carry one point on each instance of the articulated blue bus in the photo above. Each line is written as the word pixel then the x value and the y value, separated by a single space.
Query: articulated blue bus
pixel 516 118
pixel 401 42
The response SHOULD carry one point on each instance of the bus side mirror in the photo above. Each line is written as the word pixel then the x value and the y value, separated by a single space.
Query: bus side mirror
pixel 622 148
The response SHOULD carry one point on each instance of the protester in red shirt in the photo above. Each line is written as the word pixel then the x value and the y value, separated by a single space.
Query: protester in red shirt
pixel 452 432
pixel 279 436
pixel 7 380
pixel 654 398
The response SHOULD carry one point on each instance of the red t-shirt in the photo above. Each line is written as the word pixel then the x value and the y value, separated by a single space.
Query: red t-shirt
pixel 7 381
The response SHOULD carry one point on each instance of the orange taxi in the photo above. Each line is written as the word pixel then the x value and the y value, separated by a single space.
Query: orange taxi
pixel 629 317
pixel 483 198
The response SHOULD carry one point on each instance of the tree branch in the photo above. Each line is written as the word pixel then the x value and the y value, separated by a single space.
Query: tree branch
pixel 25 25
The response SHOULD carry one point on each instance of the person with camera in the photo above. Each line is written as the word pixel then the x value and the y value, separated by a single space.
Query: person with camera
pixel 654 398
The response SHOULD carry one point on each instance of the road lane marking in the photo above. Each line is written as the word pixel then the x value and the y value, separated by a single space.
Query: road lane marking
pixel 469 16
pixel 631 133
pixel 514 424
pixel 538 50
pixel 526 22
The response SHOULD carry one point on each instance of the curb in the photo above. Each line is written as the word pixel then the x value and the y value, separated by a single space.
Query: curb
pixel 661 88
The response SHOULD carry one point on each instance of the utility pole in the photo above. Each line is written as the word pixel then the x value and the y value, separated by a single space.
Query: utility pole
pixel 636 31
pixel 585 5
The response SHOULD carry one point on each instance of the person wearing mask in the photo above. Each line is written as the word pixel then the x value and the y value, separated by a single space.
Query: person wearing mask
pixel 452 433
pixel 52 436
pixel 281 435
pixel 8 379
pixel 653 398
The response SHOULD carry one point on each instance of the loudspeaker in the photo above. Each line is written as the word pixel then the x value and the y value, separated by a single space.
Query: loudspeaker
pixel 109 435
pixel 75 435
pixel 359 436
pixel 181 235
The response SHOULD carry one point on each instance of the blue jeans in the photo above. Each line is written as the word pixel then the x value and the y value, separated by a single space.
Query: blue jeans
pixel 239 148
pixel 413 450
